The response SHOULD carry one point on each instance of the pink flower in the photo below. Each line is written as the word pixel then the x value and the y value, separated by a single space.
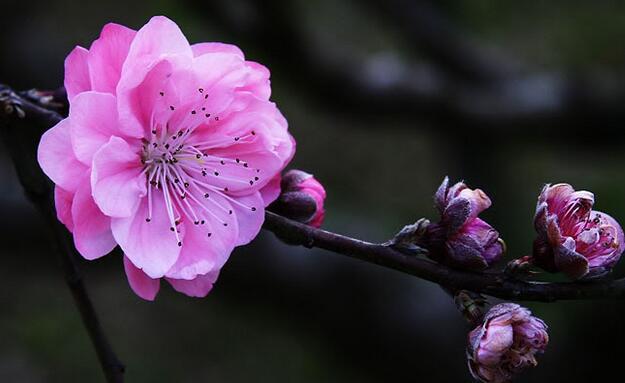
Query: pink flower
pixel 301 199
pixel 572 237
pixel 168 152
pixel 506 343
pixel 461 239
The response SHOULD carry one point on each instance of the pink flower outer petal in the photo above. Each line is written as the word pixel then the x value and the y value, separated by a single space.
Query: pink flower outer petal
pixel 200 49
pixel 56 158
pixel 198 287
pixel 107 55
pixel 144 286
pixel 92 233
pixel 77 77
pixel 116 178
pixel 63 203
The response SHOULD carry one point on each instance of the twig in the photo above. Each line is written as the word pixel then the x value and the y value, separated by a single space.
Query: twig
pixel 494 284
pixel 498 285
pixel 21 125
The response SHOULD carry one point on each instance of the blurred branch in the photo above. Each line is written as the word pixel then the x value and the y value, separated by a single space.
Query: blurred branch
pixel 497 285
pixel 21 139
pixel 465 87
pixel 22 122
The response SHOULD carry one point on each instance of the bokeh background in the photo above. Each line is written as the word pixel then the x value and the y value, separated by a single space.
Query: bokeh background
pixel 384 99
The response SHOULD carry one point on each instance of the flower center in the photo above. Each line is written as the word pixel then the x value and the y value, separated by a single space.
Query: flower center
pixel 190 175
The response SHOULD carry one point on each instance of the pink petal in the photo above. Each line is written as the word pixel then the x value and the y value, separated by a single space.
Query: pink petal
pixel 160 36
pixel 140 283
pixel 250 216
pixel 198 287
pixel 207 246
pixel 151 246
pixel 271 191
pixel 107 55
pixel 63 203
pixel 204 48
pixel 77 77
pixel 92 229
pixel 258 80
pixel 56 157
pixel 159 43
pixel 94 121
pixel 116 178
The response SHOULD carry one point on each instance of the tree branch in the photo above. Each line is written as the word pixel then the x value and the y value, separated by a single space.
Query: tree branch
pixel 21 124
pixel 494 284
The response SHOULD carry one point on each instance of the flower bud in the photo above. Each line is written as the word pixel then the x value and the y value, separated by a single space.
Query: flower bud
pixel 301 198
pixel 573 238
pixel 506 342
pixel 461 239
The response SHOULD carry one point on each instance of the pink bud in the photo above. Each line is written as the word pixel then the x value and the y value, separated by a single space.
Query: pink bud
pixel 505 343
pixel 301 199
pixel 572 237
pixel 461 239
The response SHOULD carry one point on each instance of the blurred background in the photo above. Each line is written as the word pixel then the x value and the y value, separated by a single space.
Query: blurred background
pixel 385 98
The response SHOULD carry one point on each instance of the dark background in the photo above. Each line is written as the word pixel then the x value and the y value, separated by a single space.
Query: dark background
pixel 384 99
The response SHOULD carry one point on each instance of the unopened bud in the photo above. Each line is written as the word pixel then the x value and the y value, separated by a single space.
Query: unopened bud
pixel 301 199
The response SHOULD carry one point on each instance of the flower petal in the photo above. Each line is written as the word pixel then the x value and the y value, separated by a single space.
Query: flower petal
pixel 271 190
pixel 92 229
pixel 198 287
pixel 151 246
pixel 204 48
pixel 77 78
pixel 94 122
pixel 144 286
pixel 116 178
pixel 573 264
pixel 207 246
pixel 56 157
pixel 107 55
pixel 250 216
pixel 63 203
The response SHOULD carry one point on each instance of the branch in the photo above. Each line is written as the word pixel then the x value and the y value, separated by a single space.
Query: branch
pixel 498 285
pixel 494 284
pixel 21 124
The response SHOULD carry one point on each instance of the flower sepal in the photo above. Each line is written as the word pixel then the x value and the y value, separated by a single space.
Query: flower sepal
pixel 407 240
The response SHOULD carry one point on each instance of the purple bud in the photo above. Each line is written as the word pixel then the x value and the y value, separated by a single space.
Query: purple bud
pixel 505 343
pixel 461 239
pixel 301 199
pixel 573 238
